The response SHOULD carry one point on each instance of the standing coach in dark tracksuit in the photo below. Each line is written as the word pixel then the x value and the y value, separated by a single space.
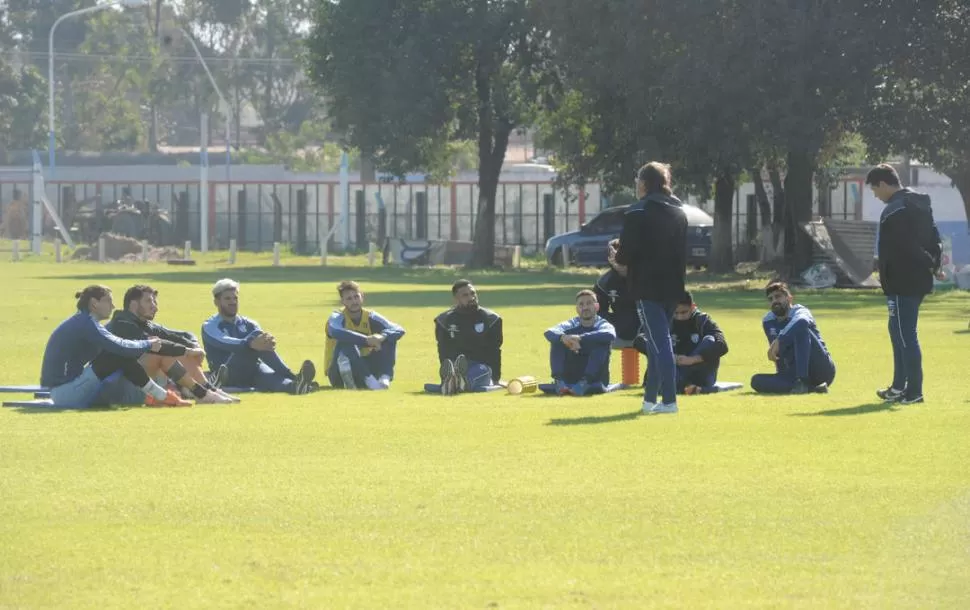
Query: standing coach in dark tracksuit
pixel 653 246
pixel 909 252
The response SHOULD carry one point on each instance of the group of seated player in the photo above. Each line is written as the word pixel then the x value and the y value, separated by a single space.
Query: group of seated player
pixel 134 360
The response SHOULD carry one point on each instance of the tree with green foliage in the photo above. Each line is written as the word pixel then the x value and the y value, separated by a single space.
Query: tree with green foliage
pixel 921 106
pixel 403 79
pixel 23 108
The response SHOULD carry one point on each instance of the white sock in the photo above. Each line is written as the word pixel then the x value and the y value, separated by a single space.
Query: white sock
pixel 372 383
pixel 385 379
pixel 154 390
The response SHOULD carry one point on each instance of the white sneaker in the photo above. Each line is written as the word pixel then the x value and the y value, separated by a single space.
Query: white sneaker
pixel 233 399
pixel 212 398
pixel 385 382
pixel 372 384
pixel 665 408
pixel 346 372
pixel 648 407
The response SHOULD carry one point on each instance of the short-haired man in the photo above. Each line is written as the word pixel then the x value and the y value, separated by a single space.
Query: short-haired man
pixel 77 376
pixel 361 343
pixel 136 321
pixel 246 349
pixel 579 354
pixel 909 254
pixel 616 304
pixel 469 341
pixel 802 361
pixel 699 345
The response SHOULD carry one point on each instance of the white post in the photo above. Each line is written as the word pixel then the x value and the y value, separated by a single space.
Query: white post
pixel 16 250
pixel 188 249
pixel 57 249
pixel 516 257
pixel 204 185
pixel 345 201
pixel 371 251
pixel 101 254
pixel 144 250
pixel 232 251
pixel 37 231
pixel 276 254
pixel 565 256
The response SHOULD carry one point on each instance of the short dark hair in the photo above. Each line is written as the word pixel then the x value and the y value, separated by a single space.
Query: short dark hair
pixel 884 173
pixel 777 287
pixel 686 299
pixel 585 292
pixel 347 285
pixel 656 177
pixel 459 285
pixel 135 293
pixel 94 292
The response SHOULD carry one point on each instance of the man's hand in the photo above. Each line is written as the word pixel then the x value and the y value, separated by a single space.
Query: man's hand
pixel 156 344
pixel 375 341
pixel 571 342
pixel 263 342
pixel 773 351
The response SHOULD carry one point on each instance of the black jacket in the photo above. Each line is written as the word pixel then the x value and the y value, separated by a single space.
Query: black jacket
pixel 909 245
pixel 687 334
pixel 476 334
pixel 616 304
pixel 653 245
pixel 129 326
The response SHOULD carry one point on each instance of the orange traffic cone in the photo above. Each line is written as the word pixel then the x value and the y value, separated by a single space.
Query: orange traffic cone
pixel 630 358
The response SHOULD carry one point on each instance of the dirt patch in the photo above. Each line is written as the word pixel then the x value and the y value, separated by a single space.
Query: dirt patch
pixel 118 248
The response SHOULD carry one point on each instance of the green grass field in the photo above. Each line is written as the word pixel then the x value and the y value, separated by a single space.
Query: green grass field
pixel 400 499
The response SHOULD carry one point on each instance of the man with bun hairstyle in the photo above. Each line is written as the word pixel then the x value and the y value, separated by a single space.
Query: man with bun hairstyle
pixel 78 377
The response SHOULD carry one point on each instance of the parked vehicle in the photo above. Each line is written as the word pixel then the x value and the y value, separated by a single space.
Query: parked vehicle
pixel 588 245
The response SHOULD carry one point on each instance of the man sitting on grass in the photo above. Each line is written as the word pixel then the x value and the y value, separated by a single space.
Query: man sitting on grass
pixel 361 344
pixel 247 351
pixel 580 351
pixel 802 360
pixel 136 321
pixel 699 345
pixel 77 377
pixel 469 341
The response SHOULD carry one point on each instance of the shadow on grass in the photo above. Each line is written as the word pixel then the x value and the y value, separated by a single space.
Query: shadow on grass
pixel 306 274
pixel 45 410
pixel 965 331
pixel 594 419
pixel 875 407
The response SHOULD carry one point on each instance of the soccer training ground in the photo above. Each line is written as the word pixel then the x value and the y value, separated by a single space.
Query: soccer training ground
pixel 401 499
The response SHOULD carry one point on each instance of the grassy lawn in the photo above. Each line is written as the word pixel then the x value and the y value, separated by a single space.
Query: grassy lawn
pixel 400 499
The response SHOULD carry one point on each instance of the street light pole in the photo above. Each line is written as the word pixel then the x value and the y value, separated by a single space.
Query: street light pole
pixel 52 144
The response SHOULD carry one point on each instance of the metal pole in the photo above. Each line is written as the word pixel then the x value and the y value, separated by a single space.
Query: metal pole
pixel 204 185
pixel 52 144
pixel 218 91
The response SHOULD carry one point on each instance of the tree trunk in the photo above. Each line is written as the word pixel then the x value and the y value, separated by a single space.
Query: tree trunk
pixel 961 179
pixel 722 248
pixel 798 193
pixel 493 140
pixel 761 196
pixel 367 171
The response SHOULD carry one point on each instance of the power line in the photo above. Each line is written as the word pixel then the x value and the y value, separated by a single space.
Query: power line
pixel 180 59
